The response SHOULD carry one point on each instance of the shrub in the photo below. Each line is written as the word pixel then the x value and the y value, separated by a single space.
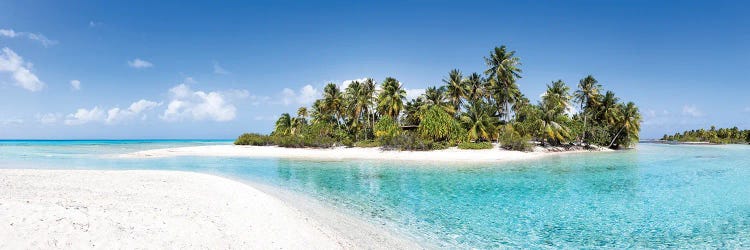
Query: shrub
pixel 346 141
pixel 291 141
pixel 386 129
pixel 254 139
pixel 288 141
pixel 475 145
pixel 367 144
pixel 511 140
pixel 411 141
pixel 438 125
pixel 440 145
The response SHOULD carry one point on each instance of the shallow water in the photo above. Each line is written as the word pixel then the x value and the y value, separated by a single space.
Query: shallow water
pixel 669 196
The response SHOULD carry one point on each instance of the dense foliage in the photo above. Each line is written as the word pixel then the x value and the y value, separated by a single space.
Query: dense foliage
pixel 475 145
pixel 254 139
pixel 477 108
pixel 712 135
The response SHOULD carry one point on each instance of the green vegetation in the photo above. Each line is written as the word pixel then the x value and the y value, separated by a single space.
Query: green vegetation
pixel 720 136
pixel 469 111
pixel 475 145
pixel 254 139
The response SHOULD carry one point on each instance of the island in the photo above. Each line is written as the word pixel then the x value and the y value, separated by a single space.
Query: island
pixel 467 112
pixel 709 136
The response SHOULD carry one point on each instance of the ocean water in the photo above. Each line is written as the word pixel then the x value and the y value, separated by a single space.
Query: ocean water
pixel 658 196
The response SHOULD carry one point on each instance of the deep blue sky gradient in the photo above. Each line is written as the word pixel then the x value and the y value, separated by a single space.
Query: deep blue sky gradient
pixel 683 62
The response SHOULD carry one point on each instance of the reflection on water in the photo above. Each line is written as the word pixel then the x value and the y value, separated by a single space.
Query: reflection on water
pixel 658 196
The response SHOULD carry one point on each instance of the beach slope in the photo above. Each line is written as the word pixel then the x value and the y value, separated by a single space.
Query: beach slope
pixel 76 209
pixel 343 153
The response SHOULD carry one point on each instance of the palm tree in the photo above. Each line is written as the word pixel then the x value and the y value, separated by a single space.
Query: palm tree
pixel 283 125
pixel 302 112
pixel 478 121
pixel 502 74
pixel 368 97
pixel 629 120
pixel 608 108
pixel 434 96
pixel 333 102
pixel 550 126
pixel 414 111
pixel 454 88
pixel 558 94
pixel 354 107
pixel 588 96
pixel 474 87
pixel 391 98
pixel 553 105
pixel 299 121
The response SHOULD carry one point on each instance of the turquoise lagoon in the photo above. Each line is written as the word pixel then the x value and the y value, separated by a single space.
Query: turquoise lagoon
pixel 658 196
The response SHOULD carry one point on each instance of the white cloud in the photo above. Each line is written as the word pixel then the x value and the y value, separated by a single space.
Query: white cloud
pixel 48 118
pixel 691 111
pixel 413 93
pixel 140 64
pixel 112 116
pixel 11 121
pixel 8 33
pixel 115 115
pixel 32 36
pixel 83 116
pixel 346 83
pixel 219 70
pixel 75 84
pixel 305 96
pixel 21 71
pixel 199 105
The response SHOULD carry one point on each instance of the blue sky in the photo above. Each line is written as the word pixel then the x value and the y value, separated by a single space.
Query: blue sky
pixel 176 69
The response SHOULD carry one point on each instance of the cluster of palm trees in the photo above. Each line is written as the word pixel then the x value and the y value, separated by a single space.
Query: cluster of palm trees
pixel 478 107
pixel 712 135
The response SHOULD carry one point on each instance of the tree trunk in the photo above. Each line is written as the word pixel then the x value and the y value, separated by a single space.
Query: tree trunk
pixel 583 112
pixel 617 135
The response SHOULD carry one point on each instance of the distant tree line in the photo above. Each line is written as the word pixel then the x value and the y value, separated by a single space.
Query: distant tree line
pixel 465 110
pixel 712 135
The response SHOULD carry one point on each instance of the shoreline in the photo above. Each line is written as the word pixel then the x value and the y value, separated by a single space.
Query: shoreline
pixel 165 209
pixel 354 153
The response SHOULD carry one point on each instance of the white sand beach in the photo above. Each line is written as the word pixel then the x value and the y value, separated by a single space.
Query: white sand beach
pixel 80 209
pixel 344 153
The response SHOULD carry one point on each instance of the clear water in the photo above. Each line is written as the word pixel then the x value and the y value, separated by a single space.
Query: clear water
pixel 659 196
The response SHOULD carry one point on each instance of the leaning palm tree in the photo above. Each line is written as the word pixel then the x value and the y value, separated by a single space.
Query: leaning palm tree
pixel 391 98
pixel 629 120
pixel 502 74
pixel 588 96
pixel 454 88
pixel 478 121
